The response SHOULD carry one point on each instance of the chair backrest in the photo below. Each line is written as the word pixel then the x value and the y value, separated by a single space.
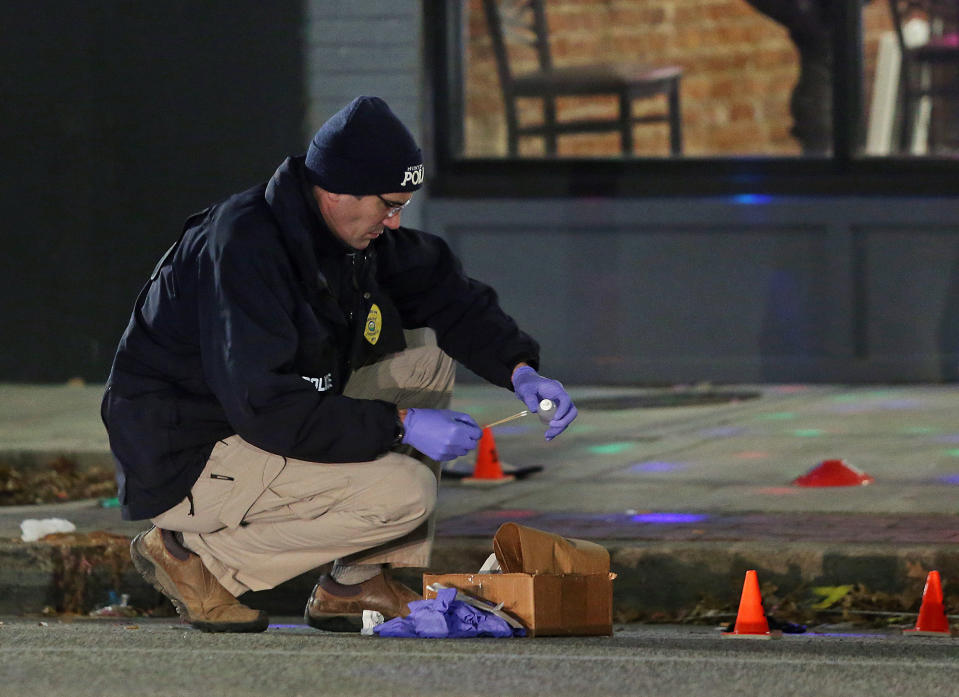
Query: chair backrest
pixel 517 22
pixel 942 16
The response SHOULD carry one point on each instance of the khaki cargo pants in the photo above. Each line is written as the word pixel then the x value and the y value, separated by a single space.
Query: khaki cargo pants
pixel 258 519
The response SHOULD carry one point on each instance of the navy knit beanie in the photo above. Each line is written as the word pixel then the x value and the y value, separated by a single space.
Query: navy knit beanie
pixel 364 149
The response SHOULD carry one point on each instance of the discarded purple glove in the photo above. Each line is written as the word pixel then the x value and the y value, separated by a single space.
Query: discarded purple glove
pixel 531 387
pixel 445 617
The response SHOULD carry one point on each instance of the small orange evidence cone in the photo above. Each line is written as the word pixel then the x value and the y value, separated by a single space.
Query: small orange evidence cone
pixel 751 620
pixel 932 619
pixel 488 469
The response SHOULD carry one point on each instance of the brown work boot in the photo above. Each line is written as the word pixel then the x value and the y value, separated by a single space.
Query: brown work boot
pixel 195 593
pixel 339 612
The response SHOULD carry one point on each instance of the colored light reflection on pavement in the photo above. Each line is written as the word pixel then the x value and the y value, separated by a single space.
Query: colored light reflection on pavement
pixel 900 404
pixel 856 408
pixel 474 408
pixel 886 405
pixel 950 438
pixel 668 518
pixel 610 448
pixel 752 199
pixel 808 432
pixel 953 452
pixel 657 466
pixel 778 416
pixel 919 430
pixel 949 479
pixel 884 400
pixel 881 394
pixel 509 513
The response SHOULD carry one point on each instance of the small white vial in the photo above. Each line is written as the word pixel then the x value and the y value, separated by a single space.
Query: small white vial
pixel 546 410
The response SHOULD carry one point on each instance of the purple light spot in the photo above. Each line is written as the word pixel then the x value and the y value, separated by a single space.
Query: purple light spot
pixel 899 404
pixel 852 408
pixel 668 518
pixel 723 432
pixel 950 438
pixel 949 479
pixel 657 466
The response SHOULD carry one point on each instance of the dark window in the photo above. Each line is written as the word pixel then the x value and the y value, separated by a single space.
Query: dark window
pixel 648 97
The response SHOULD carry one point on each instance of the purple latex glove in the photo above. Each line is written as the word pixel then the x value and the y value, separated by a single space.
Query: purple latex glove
pixel 440 433
pixel 445 617
pixel 531 387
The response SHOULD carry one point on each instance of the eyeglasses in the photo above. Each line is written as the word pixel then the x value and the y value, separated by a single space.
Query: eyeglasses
pixel 392 206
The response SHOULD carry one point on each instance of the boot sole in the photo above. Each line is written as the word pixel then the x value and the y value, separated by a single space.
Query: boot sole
pixel 154 574
pixel 335 623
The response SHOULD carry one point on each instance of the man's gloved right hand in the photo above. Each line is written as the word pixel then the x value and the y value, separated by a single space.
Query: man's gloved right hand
pixel 441 434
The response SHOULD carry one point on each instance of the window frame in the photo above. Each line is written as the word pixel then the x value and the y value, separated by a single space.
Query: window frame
pixel 845 172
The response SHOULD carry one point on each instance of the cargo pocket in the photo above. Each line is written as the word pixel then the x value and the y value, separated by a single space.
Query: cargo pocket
pixel 307 491
pixel 241 472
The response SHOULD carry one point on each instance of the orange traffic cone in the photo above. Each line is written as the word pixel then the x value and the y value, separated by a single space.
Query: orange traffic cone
pixel 834 473
pixel 932 615
pixel 487 469
pixel 751 620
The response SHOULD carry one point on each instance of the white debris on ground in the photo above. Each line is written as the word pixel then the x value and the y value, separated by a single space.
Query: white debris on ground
pixel 33 529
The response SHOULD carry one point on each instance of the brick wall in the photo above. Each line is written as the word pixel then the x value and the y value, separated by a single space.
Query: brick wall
pixel 739 69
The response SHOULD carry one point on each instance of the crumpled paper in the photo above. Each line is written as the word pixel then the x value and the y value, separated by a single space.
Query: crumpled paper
pixel 491 565
pixel 33 529
pixel 445 617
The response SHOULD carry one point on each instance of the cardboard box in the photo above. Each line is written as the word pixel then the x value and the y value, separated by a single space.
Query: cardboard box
pixel 554 586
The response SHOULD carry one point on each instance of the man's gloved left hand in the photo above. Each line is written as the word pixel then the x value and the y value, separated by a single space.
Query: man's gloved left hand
pixel 531 388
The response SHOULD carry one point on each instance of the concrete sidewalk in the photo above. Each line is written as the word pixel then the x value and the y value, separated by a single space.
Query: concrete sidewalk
pixel 686 490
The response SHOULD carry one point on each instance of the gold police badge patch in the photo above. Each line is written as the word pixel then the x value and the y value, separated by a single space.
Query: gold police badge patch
pixel 374 323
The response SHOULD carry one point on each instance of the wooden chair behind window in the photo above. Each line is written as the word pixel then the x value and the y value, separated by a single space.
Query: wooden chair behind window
pixel 942 49
pixel 524 21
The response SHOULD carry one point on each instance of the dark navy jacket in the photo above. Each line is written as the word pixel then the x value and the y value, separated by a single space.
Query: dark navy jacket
pixel 251 325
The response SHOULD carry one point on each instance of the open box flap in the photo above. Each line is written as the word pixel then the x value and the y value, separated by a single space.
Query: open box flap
pixel 520 549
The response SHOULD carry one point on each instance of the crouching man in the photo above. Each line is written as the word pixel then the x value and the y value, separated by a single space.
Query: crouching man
pixel 265 408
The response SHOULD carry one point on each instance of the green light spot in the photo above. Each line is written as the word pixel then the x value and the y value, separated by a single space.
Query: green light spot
pixel 471 408
pixel 808 432
pixel 610 448
pixel 778 416
pixel 954 452
pixel 846 398
pixel 919 430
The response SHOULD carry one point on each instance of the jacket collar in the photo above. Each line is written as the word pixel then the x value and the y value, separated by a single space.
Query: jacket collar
pixel 303 231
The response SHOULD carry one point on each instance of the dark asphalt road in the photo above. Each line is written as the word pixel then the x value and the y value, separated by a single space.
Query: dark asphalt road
pixel 159 657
